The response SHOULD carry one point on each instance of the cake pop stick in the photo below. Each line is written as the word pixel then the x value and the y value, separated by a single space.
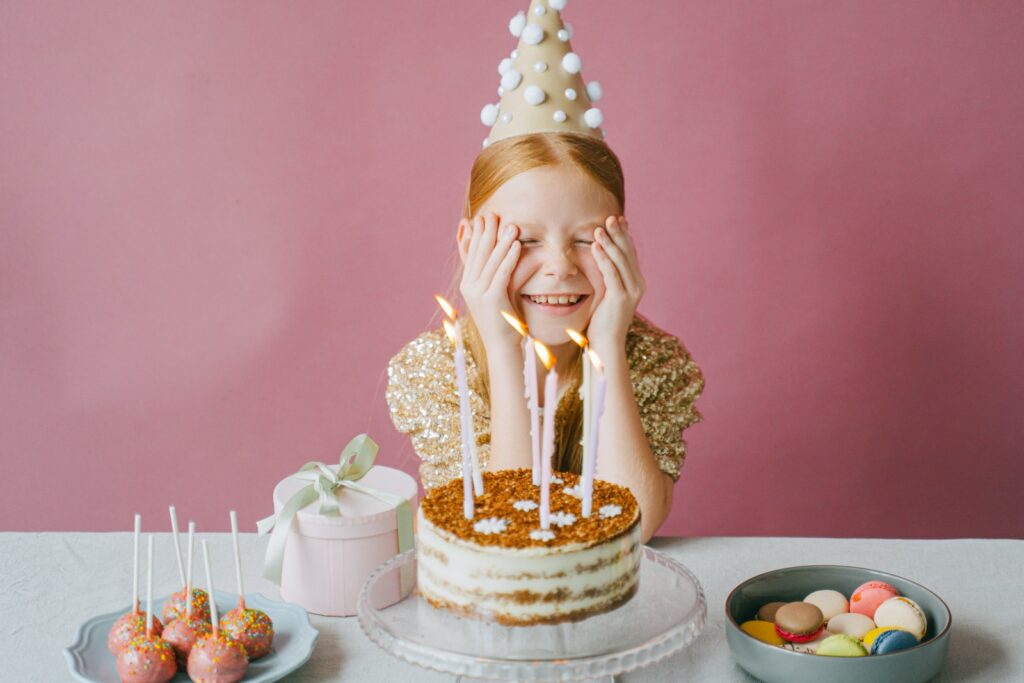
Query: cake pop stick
pixel 209 587
pixel 135 565
pixel 177 546
pixel 188 570
pixel 149 587
pixel 238 560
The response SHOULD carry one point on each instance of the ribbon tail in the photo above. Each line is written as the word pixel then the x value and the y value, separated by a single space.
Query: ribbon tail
pixel 274 557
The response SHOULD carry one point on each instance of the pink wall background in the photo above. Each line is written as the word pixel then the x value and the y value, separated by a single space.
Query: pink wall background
pixel 218 221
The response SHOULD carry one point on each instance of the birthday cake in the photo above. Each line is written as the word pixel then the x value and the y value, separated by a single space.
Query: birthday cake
pixel 502 566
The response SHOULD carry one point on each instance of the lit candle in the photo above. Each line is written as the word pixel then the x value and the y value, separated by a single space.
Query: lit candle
pixel 465 417
pixel 467 469
pixel 585 394
pixel 550 401
pixel 590 461
pixel 530 383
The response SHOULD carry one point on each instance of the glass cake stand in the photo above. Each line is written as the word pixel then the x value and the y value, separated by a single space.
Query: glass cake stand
pixel 666 615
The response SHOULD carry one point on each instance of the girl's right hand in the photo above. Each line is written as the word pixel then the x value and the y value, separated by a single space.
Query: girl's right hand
pixel 490 252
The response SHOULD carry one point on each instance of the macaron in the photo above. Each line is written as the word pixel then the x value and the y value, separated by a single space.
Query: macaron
pixel 841 645
pixel 869 637
pixel 904 613
pixel 856 625
pixel 892 640
pixel 799 622
pixel 866 598
pixel 830 602
pixel 762 630
pixel 811 646
pixel 767 612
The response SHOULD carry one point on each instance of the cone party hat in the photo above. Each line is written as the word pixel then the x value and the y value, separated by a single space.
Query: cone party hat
pixel 542 88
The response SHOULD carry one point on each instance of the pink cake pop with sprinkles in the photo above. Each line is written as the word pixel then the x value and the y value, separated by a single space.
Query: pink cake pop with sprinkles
pixel 147 658
pixel 216 658
pixel 251 627
pixel 182 633
pixel 132 623
pixel 174 607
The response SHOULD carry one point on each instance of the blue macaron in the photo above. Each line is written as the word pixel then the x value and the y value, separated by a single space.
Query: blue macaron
pixel 892 641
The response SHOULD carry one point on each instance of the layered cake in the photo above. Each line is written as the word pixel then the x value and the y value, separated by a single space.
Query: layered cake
pixel 501 566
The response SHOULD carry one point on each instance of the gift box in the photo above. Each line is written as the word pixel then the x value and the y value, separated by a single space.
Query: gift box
pixel 350 527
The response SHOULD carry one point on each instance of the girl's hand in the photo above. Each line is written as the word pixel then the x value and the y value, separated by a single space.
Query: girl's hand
pixel 490 252
pixel 624 285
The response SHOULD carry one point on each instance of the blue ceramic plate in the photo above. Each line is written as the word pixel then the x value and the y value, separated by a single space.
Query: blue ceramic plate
pixel 294 638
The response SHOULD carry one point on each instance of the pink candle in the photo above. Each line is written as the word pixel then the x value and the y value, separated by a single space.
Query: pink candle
pixel 590 461
pixel 530 377
pixel 550 405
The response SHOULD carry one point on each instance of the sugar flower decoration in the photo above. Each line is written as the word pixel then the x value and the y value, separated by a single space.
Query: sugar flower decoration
pixel 562 518
pixel 542 534
pixel 574 491
pixel 491 525
pixel 610 511
pixel 525 505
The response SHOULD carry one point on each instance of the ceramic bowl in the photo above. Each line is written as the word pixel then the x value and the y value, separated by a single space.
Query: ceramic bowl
pixel 777 665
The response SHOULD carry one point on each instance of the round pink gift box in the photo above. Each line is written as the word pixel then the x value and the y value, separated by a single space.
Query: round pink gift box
pixel 326 558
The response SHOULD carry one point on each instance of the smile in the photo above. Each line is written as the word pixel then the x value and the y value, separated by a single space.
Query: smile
pixel 556 304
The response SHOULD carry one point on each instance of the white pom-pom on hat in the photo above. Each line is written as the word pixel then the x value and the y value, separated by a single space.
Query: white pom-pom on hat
pixel 504 65
pixel 570 94
pixel 540 67
pixel 511 79
pixel 489 114
pixel 517 24
pixel 593 117
pixel 557 5
pixel 501 91
pixel 563 35
pixel 594 91
pixel 540 10
pixel 506 117
pixel 486 142
pixel 571 62
pixel 533 34
pixel 559 116
pixel 534 95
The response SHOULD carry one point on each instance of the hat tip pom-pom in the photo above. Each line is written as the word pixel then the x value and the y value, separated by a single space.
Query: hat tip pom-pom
pixel 557 5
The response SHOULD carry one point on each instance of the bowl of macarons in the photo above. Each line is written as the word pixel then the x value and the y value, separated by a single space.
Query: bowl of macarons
pixel 837 623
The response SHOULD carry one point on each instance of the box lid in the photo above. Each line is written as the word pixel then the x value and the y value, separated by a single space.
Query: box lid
pixel 361 514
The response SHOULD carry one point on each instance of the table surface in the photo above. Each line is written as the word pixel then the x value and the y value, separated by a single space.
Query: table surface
pixel 56 581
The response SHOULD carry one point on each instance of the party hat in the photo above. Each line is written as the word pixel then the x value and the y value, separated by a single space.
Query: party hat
pixel 542 86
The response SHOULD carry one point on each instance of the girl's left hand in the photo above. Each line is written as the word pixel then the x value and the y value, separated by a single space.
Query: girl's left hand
pixel 624 285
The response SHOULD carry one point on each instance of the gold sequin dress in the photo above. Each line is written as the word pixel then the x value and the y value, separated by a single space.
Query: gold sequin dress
pixel 424 401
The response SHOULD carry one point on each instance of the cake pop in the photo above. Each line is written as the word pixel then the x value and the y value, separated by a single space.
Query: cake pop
pixel 182 632
pixel 132 623
pixel 174 606
pixel 251 627
pixel 147 658
pixel 216 658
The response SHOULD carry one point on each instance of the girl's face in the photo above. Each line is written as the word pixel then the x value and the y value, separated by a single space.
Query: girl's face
pixel 557 209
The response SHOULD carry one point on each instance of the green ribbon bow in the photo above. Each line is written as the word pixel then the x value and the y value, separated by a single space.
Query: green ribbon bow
pixel 355 461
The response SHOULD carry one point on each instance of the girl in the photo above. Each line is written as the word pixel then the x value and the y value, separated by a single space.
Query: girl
pixel 544 236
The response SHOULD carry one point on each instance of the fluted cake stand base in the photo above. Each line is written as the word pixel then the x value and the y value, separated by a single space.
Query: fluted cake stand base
pixel 666 615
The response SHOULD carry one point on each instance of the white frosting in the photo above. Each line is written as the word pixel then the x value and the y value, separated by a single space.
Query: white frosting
pixel 473 577
pixel 533 34
pixel 572 63
pixel 534 94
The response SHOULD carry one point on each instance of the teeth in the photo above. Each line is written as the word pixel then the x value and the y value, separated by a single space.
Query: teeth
pixel 556 300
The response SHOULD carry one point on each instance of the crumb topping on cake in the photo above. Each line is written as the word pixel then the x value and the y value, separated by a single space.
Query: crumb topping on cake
pixel 504 493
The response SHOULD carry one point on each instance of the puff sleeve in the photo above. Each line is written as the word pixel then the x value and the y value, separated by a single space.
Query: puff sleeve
pixel 424 403
pixel 666 383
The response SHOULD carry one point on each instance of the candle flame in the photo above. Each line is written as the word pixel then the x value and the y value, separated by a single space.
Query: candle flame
pixel 546 356
pixel 576 337
pixel 515 322
pixel 449 329
pixel 598 365
pixel 449 310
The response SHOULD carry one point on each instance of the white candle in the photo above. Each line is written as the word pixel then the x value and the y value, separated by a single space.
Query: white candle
pixel 468 480
pixel 550 401
pixel 530 375
pixel 585 394
pixel 465 417
pixel 590 458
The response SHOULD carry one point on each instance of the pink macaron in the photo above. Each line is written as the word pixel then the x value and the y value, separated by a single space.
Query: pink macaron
pixel 867 597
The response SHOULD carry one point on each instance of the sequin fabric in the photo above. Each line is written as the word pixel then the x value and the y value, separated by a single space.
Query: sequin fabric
pixel 424 401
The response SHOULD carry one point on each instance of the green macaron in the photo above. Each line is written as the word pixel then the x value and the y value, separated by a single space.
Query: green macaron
pixel 841 645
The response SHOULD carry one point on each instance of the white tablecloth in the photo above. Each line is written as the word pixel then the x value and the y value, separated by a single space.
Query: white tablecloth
pixel 52 582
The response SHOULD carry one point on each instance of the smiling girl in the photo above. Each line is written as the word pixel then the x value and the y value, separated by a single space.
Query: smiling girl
pixel 544 235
